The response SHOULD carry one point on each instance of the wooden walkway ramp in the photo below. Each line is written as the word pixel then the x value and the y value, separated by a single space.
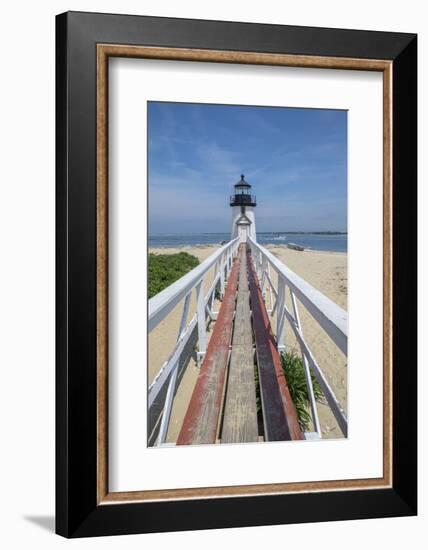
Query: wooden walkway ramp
pixel 223 406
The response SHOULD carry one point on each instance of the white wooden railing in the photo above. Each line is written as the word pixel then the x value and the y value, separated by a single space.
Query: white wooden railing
pixel 330 317
pixel 163 303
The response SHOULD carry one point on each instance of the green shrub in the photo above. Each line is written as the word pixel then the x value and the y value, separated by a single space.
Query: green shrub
pixel 257 384
pixel 165 269
pixel 292 366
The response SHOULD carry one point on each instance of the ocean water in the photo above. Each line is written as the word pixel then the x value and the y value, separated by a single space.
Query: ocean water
pixel 324 241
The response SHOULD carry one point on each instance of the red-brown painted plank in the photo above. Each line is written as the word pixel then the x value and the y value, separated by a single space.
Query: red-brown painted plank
pixel 201 421
pixel 279 414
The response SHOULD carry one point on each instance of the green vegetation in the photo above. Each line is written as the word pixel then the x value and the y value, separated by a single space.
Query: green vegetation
pixel 292 366
pixel 164 269
pixel 257 384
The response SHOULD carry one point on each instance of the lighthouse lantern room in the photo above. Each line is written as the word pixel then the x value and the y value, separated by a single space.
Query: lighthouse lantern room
pixel 243 204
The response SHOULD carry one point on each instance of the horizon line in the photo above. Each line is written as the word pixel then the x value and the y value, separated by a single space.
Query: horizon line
pixel 325 232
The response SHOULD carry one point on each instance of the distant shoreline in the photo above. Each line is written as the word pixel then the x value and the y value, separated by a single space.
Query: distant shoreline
pixel 190 247
pixel 284 246
pixel 155 235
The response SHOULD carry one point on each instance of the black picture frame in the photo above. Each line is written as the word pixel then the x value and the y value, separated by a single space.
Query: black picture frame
pixel 77 511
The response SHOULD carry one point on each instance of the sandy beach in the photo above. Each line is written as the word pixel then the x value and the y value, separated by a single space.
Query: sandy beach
pixel 326 271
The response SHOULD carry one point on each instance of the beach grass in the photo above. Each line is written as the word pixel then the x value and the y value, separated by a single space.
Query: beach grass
pixel 165 269
pixel 292 366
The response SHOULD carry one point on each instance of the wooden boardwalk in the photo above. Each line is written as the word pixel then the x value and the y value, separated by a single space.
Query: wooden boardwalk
pixel 240 410
pixel 223 404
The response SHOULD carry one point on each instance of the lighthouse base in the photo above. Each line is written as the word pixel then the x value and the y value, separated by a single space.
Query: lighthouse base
pixel 243 223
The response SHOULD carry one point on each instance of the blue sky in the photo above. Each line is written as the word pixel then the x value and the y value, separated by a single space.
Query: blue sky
pixel 295 159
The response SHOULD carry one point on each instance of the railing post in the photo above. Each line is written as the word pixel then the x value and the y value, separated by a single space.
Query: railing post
pixel 163 430
pixel 280 314
pixel 201 318
pixel 262 284
pixel 211 301
pixel 229 261
pixel 270 288
pixel 307 370
pixel 222 281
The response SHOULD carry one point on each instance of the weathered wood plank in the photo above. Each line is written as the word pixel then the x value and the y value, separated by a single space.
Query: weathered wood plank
pixel 202 417
pixel 279 415
pixel 240 411
pixel 242 332
pixel 243 278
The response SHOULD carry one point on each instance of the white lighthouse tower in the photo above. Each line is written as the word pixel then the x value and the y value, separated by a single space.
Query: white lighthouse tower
pixel 243 204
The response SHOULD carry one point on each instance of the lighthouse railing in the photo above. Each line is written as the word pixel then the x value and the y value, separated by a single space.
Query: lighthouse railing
pixel 161 305
pixel 330 317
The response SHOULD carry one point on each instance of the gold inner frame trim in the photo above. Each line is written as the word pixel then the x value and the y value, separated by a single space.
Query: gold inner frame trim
pixel 104 51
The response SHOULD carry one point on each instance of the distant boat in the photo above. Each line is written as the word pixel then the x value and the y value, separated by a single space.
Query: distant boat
pixel 295 247
pixel 280 238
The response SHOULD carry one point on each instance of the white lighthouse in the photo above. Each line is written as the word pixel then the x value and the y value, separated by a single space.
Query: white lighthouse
pixel 243 204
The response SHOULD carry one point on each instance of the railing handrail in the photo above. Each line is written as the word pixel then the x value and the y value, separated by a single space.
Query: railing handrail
pixel 332 318
pixel 160 305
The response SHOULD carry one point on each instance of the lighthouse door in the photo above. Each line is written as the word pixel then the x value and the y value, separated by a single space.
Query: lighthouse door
pixel 243 232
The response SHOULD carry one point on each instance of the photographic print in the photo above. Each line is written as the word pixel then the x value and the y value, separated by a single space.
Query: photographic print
pixel 247 274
